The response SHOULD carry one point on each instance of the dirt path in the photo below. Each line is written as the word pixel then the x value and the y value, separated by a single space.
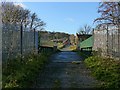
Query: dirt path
pixel 61 72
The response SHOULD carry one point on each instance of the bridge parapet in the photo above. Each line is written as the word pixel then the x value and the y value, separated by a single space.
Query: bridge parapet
pixel 47 49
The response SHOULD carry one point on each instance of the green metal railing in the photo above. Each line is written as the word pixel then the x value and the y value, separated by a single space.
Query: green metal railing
pixel 88 43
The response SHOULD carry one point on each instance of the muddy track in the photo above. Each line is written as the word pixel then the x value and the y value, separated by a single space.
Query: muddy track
pixel 64 72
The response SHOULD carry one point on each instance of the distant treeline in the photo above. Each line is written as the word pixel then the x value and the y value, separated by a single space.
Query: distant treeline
pixel 47 35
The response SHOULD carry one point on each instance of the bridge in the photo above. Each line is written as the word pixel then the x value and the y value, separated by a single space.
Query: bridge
pixel 87 44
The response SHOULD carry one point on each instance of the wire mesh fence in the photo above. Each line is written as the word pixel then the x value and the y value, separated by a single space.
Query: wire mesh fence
pixel 11 40
pixel 107 42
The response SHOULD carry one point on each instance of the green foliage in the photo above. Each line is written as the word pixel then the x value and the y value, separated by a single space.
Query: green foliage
pixel 83 54
pixel 105 70
pixel 47 36
pixel 17 73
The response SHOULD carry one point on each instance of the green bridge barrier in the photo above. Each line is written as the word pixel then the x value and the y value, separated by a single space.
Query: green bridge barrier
pixel 88 43
pixel 46 49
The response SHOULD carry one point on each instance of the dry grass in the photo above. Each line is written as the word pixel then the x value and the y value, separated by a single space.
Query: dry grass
pixel 73 47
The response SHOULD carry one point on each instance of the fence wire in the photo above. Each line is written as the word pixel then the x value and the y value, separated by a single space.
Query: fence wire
pixel 107 42
pixel 11 47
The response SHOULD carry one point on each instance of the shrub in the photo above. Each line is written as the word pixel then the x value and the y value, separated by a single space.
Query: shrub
pixel 17 73
pixel 106 70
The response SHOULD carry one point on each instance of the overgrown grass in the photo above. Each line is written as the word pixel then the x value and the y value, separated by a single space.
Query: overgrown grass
pixel 84 54
pixel 17 73
pixel 106 70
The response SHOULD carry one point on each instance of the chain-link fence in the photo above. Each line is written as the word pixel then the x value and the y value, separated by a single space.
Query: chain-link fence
pixel 11 42
pixel 107 41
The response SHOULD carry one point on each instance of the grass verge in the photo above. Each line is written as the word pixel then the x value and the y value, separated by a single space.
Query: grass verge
pixel 84 54
pixel 21 74
pixel 106 70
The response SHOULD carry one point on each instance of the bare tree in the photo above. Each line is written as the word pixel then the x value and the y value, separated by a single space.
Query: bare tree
pixel 109 12
pixel 110 15
pixel 23 18
pixel 17 16
pixel 86 29
pixel 36 23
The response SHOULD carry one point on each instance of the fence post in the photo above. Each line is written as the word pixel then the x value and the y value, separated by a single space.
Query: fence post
pixel 1 46
pixel 21 38
pixel 112 44
pixel 34 40
pixel 39 41
pixel 119 30
pixel 107 41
